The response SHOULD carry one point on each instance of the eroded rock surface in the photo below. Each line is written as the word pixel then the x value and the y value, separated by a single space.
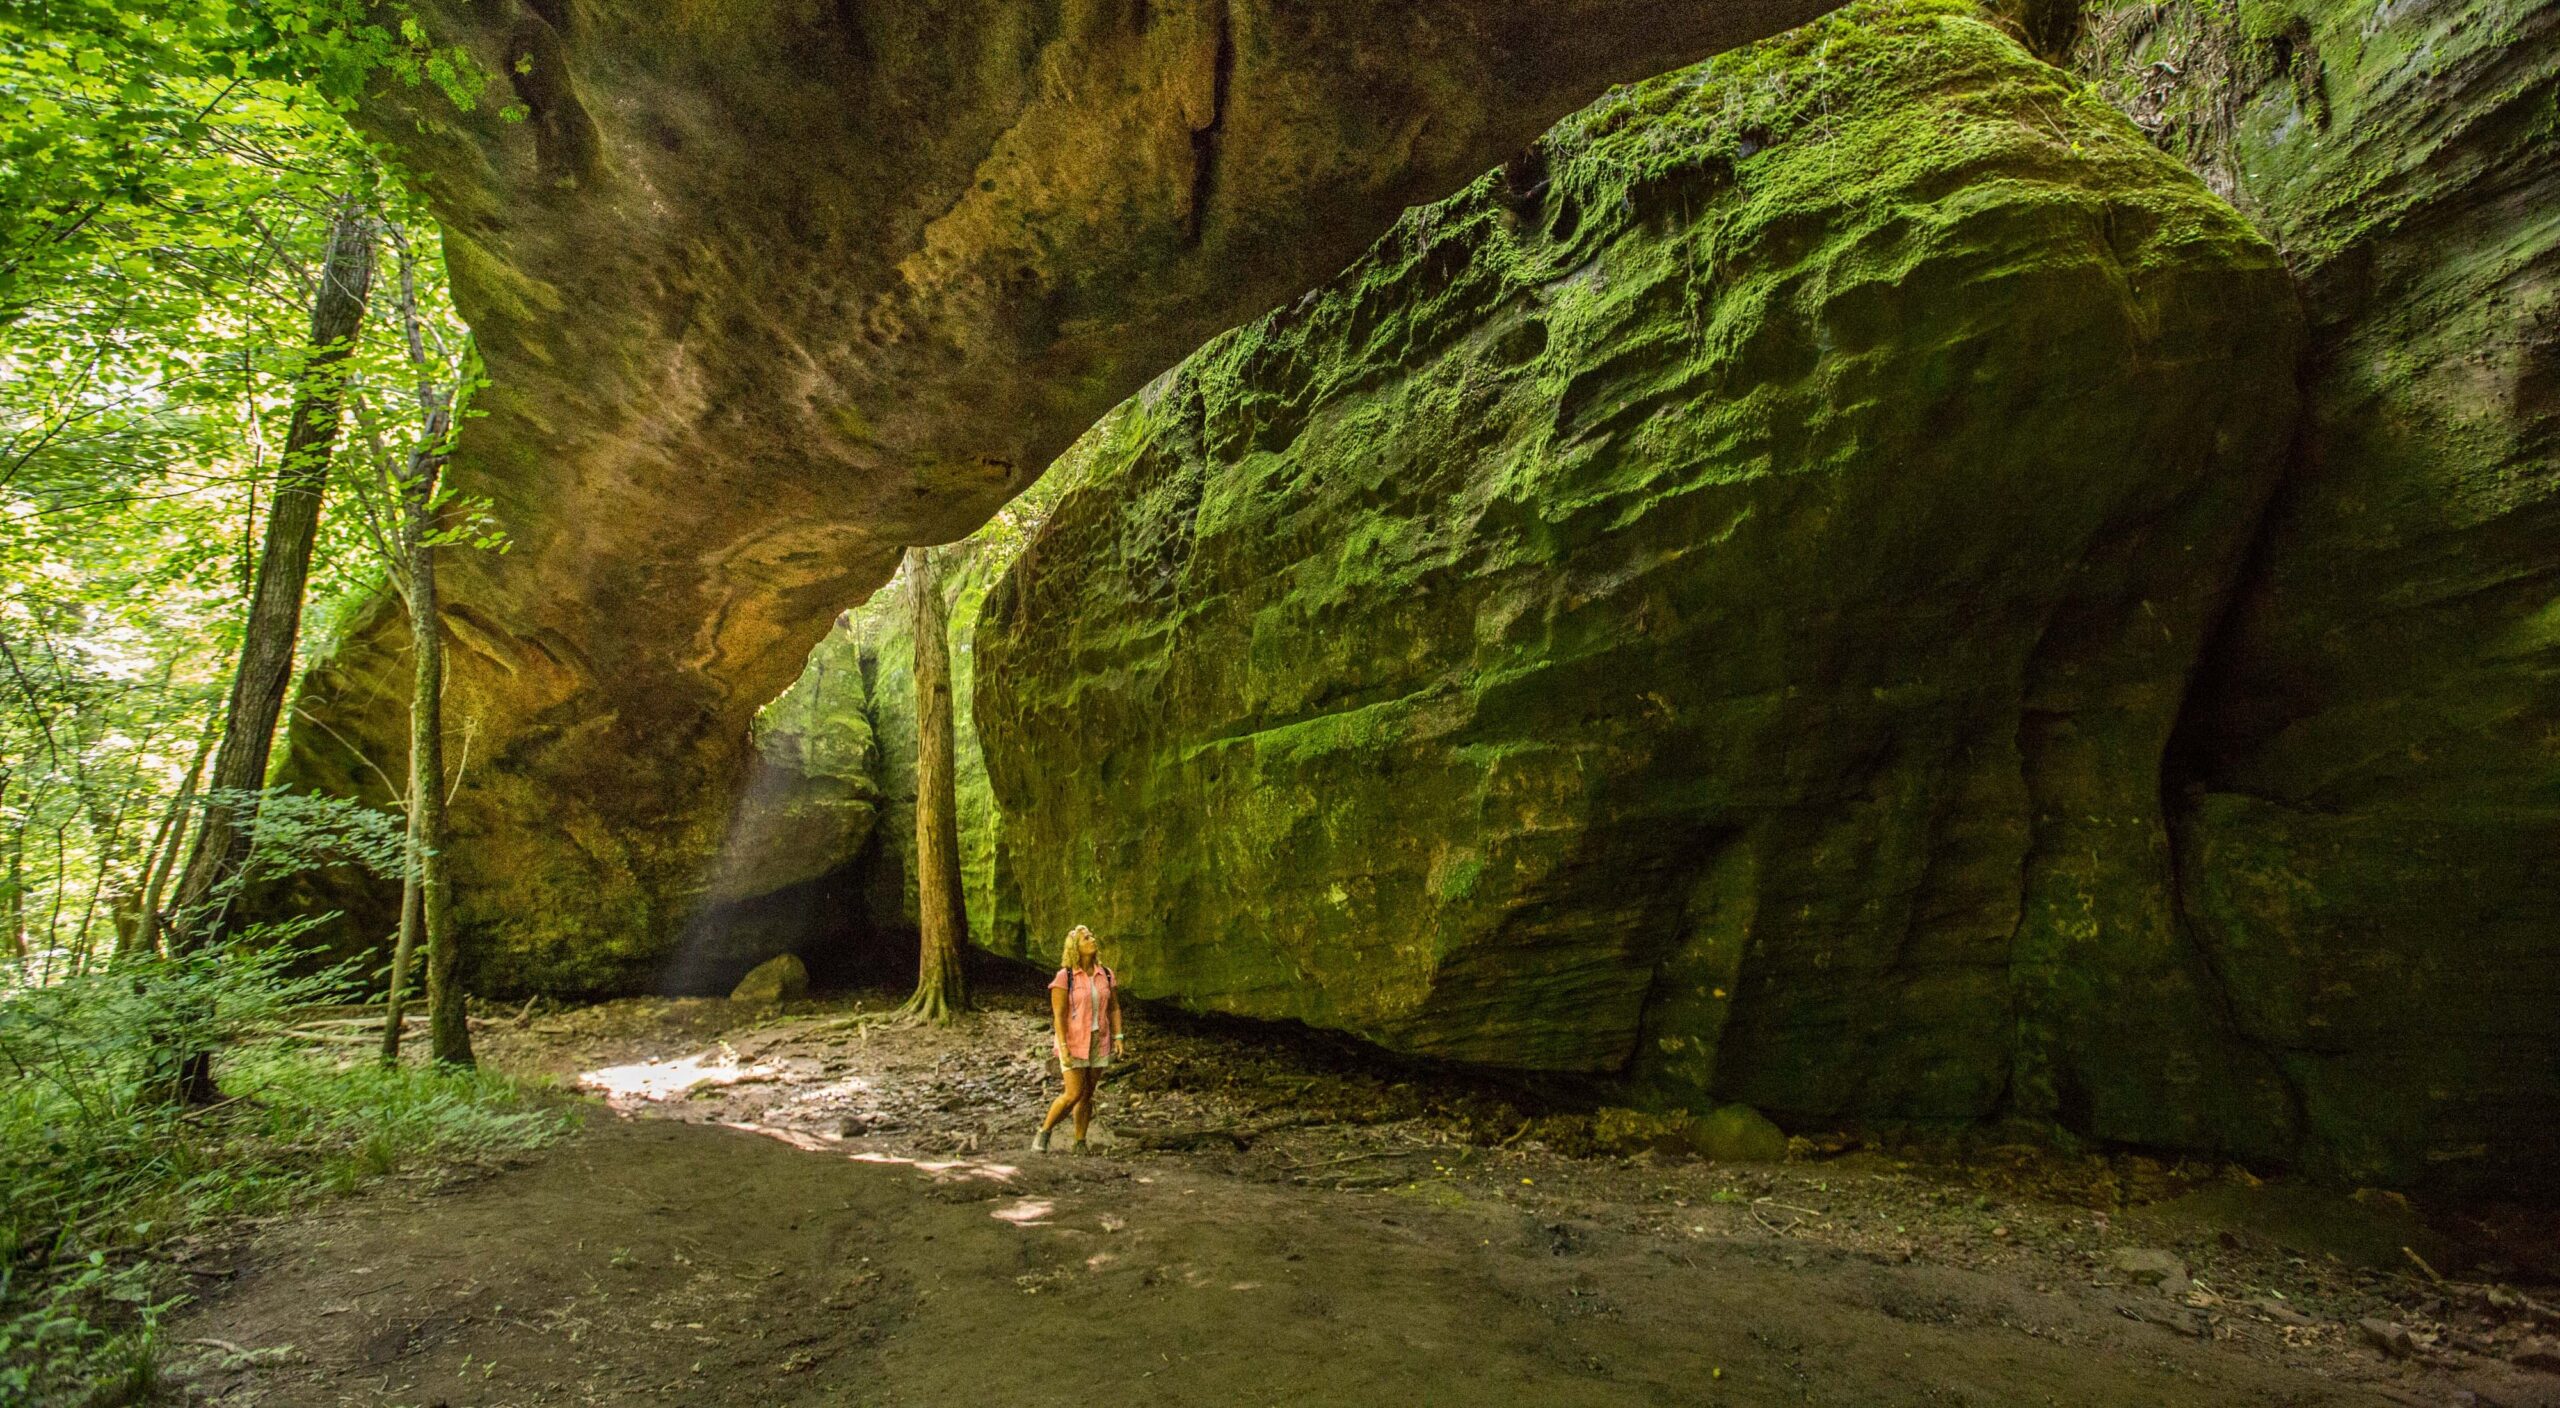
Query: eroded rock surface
pixel 768 291
pixel 1708 602
pixel 2368 785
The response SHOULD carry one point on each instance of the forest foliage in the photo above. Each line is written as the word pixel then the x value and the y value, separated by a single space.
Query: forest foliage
pixel 166 190
pixel 170 175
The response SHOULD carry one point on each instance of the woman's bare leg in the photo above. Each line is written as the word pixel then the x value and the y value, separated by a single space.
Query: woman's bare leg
pixel 1084 1103
pixel 1075 1091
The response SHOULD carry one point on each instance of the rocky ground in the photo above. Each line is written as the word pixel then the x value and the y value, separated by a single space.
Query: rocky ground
pixel 796 1205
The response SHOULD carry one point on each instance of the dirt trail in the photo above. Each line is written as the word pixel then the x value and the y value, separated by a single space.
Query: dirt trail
pixel 788 1211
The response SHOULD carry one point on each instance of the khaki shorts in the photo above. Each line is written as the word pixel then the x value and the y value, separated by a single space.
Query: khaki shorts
pixel 1099 1063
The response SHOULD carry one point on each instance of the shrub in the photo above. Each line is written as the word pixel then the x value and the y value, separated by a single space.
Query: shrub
pixel 101 1169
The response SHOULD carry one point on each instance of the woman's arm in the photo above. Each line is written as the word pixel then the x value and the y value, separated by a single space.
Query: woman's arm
pixel 1058 1019
pixel 1115 1016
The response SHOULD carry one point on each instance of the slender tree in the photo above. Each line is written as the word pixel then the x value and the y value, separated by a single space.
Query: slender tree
pixel 448 1024
pixel 108 820
pixel 13 886
pixel 410 495
pixel 941 985
pixel 166 845
pixel 424 916
pixel 265 671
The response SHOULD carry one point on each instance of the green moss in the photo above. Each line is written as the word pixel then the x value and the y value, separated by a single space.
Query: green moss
pixel 1595 631
pixel 2370 788
pixel 1459 881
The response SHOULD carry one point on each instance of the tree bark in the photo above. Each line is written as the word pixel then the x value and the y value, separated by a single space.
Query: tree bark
pixel 422 922
pixel 265 672
pixel 424 913
pixel 413 919
pixel 941 986
pixel 448 1024
pixel 13 889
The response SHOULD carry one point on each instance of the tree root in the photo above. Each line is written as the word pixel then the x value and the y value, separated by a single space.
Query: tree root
pixel 929 1006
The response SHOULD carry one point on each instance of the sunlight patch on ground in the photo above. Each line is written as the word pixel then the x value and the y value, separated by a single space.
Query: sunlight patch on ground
pixel 1025 1212
pixel 945 1170
pixel 665 1080
pixel 800 1139
pixel 939 1170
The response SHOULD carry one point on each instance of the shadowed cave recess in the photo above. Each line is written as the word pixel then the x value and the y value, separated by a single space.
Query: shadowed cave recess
pixel 1945 566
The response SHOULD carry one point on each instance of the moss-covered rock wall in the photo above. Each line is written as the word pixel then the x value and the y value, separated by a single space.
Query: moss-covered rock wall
pixel 1707 603
pixel 854 708
pixel 819 778
pixel 813 797
pixel 2367 786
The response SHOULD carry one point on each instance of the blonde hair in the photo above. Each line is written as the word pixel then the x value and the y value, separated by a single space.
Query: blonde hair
pixel 1075 940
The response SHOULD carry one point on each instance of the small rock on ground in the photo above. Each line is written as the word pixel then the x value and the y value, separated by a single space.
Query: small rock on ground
pixel 2389 1336
pixel 782 978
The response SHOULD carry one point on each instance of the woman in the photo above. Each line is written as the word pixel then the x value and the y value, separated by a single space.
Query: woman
pixel 1084 1024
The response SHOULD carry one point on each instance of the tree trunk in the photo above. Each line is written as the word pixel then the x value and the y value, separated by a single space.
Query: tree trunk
pixel 448 1027
pixel 13 890
pixel 941 987
pixel 425 916
pixel 265 671
pixel 413 919
pixel 284 568
pixel 53 911
pixel 166 846
pixel 99 883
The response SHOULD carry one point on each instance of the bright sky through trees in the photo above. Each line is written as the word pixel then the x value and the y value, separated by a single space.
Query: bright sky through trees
pixel 167 173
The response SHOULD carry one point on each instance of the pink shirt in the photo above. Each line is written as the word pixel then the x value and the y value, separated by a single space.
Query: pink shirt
pixel 1093 1000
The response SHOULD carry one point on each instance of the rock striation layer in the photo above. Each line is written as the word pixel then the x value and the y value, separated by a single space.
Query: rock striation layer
pixel 2367 787
pixel 1709 602
pixel 768 291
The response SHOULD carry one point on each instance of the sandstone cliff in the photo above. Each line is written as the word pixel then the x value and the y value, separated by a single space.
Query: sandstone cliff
pixel 2367 785
pixel 1708 602
pixel 768 291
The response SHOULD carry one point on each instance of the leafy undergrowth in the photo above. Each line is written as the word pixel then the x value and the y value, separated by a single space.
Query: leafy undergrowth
pixel 102 1174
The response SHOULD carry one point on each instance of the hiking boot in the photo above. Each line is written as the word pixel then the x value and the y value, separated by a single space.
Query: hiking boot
pixel 1080 1150
pixel 1040 1141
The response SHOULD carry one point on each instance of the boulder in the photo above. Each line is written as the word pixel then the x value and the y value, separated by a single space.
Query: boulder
pixel 2365 795
pixel 1705 605
pixel 1736 1134
pixel 2151 1266
pixel 2146 1263
pixel 783 978
pixel 2390 1337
